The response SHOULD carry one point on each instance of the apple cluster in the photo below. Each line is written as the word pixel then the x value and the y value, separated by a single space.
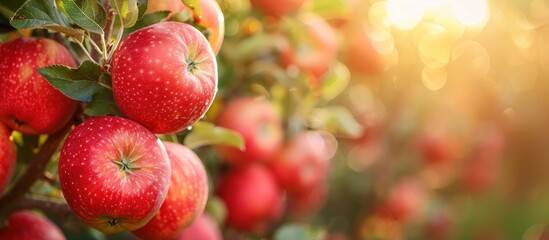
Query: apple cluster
pixel 115 173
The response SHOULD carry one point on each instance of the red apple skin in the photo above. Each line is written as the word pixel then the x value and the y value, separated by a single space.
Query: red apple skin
pixel 186 197
pixel 252 197
pixel 405 200
pixel 203 228
pixel 437 148
pixel 277 8
pixel 360 55
pixel 27 225
pixel 320 42
pixel 7 158
pixel 28 103
pixel 164 76
pixel 212 17
pixel 114 173
pixel 260 126
pixel 303 164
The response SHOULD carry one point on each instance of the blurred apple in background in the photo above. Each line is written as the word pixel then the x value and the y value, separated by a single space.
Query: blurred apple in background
pixel 260 126
pixel 203 228
pixel 277 8
pixel 405 200
pixel 311 46
pixel 212 19
pixel 302 164
pixel 253 199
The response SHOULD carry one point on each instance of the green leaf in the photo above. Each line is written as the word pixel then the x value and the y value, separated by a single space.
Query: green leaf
pixel 142 6
pixel 194 5
pixel 79 84
pixel 298 232
pixel 147 20
pixel 205 133
pixel 336 81
pixel 44 14
pixel 337 120
pixel 103 101
pixel 88 14
pixel 127 10
pixel 295 232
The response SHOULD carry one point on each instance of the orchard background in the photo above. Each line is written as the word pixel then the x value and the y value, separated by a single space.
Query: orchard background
pixel 332 119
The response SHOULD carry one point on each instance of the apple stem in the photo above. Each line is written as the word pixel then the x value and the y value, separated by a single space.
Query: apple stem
pixel 34 170
pixel 86 52
pixel 118 39
pixel 90 40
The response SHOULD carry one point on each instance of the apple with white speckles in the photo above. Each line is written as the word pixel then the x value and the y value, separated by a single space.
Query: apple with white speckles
pixel 28 103
pixel 164 76
pixel 260 126
pixel 7 158
pixel 114 173
pixel 27 225
pixel 186 197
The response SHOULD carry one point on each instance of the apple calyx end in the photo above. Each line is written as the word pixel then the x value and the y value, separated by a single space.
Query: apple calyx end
pixel 113 223
pixel 192 66
pixel 126 166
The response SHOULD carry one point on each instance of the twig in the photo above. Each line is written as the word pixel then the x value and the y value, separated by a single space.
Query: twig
pixel 46 204
pixel 34 170
pixel 94 45
pixel 86 52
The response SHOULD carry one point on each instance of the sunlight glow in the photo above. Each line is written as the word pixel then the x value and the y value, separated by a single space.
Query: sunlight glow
pixel 470 12
pixel 407 14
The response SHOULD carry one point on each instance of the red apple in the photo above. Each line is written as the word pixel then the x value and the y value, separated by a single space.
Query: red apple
pixel 260 126
pixel 303 163
pixel 479 175
pixel 212 18
pixel 277 8
pixel 186 197
pixel 252 197
pixel 114 173
pixel 405 200
pixel 360 54
pixel 203 228
pixel 314 50
pixel 164 76
pixel 437 148
pixel 28 103
pixel 27 225
pixel 7 158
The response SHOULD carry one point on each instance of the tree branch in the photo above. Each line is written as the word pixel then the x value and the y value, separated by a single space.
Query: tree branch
pixel 46 204
pixel 34 170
